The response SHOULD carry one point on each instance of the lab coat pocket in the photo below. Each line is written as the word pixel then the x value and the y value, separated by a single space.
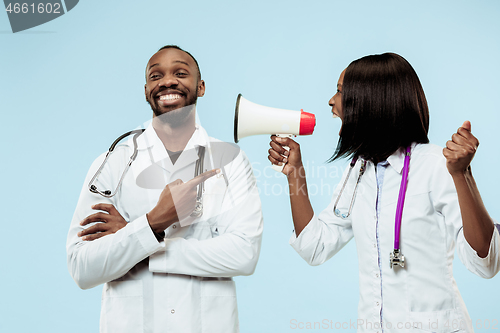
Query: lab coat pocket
pixel 213 197
pixel 122 307
pixel 218 306
pixel 448 321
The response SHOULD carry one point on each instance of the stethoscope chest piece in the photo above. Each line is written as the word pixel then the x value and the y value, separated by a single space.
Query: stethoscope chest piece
pixel 198 209
pixel 397 258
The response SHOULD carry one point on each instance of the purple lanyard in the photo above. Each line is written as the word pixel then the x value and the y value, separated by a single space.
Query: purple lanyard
pixel 397 258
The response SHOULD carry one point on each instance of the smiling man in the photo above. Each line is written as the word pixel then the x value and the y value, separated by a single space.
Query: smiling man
pixel 185 219
pixel 178 96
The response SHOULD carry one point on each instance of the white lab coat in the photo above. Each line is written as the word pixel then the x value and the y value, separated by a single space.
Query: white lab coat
pixel 414 298
pixel 184 283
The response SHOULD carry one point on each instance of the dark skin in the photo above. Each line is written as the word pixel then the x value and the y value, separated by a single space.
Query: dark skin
pixel 171 73
pixel 111 222
pixel 478 225
pixel 302 211
pixel 176 202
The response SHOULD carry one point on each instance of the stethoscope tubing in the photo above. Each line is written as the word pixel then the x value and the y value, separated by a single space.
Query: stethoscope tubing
pixel 108 193
pixel 361 172
pixel 401 196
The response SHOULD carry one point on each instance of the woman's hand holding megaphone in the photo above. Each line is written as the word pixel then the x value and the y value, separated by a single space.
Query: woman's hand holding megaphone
pixel 302 211
pixel 278 155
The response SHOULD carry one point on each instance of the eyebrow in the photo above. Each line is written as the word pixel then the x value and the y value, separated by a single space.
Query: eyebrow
pixel 153 66
pixel 177 61
pixel 182 62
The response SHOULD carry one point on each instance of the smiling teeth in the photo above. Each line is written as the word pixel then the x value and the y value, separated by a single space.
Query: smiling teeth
pixel 169 97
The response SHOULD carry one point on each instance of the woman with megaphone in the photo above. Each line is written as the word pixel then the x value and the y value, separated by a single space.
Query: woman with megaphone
pixel 396 198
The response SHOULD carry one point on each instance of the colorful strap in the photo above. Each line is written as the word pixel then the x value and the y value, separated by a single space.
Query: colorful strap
pixel 401 198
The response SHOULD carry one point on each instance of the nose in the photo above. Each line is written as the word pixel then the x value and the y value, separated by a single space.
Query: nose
pixel 331 102
pixel 168 81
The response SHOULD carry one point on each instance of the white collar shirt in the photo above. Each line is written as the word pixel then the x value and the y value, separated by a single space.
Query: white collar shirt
pixel 423 296
pixel 183 283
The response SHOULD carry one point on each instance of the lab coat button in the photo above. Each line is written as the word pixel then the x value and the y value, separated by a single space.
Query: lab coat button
pixel 377 305
pixel 174 226
pixel 376 275
pixel 172 311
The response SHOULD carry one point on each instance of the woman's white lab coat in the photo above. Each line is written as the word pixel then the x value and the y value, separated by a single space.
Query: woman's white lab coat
pixel 423 296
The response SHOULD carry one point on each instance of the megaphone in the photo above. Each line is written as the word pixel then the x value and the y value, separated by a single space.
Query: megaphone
pixel 254 119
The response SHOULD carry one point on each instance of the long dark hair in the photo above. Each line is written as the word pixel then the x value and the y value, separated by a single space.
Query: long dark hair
pixel 384 108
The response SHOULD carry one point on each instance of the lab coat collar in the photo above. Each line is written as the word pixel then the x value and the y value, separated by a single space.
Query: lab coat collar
pixel 149 138
pixel 150 142
pixel 397 159
pixel 190 153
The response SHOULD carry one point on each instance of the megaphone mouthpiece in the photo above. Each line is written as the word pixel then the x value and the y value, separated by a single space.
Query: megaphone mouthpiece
pixel 307 123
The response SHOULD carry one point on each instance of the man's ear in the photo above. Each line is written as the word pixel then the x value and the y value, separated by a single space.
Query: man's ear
pixel 201 88
pixel 145 94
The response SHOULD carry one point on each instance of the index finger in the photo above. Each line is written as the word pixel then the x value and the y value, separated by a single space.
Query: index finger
pixel 281 140
pixel 284 141
pixel 202 177
pixel 464 132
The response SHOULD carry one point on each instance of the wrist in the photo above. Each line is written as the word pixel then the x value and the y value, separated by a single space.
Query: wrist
pixel 159 234
pixel 154 221
pixel 461 173
pixel 158 222
pixel 297 172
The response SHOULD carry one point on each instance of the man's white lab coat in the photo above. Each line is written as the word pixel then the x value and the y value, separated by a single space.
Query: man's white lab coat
pixel 184 283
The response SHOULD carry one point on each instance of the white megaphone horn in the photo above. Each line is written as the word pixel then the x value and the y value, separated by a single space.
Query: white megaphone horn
pixel 254 119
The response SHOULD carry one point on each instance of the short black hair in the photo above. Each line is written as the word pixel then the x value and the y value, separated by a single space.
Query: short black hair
pixel 384 108
pixel 178 48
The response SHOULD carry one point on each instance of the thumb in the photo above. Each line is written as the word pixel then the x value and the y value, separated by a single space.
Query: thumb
pixel 467 125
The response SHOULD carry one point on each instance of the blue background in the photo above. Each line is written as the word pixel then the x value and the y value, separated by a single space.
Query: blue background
pixel 68 88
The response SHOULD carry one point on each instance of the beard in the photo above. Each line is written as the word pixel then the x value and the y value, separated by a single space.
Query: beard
pixel 174 117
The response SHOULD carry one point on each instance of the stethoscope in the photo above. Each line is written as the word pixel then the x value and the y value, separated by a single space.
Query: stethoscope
pixel 198 210
pixel 396 257
pixel 108 193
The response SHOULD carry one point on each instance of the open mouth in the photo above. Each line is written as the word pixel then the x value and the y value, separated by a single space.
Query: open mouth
pixel 170 97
